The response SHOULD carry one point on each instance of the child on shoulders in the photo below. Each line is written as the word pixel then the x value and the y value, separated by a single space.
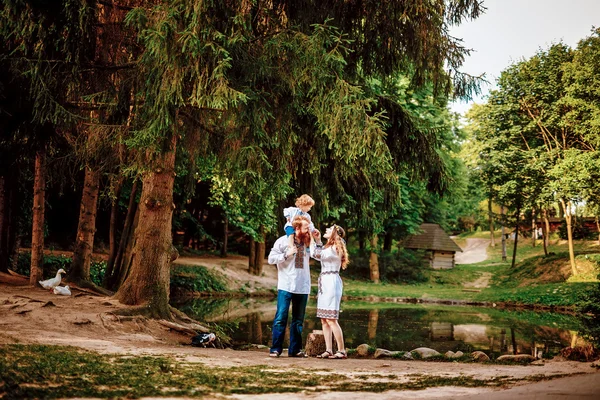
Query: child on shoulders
pixel 303 205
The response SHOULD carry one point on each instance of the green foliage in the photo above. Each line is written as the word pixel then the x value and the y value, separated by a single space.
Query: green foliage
pixel 400 266
pixel 196 279
pixel 589 310
pixel 52 263
pixel 578 230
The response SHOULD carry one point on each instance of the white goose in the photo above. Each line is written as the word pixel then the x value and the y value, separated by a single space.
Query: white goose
pixel 64 290
pixel 53 282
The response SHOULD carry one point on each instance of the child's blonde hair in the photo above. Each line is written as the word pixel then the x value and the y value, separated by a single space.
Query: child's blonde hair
pixel 305 200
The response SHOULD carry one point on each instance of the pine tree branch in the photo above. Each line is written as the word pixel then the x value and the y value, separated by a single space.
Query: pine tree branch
pixel 110 4
pixel 103 67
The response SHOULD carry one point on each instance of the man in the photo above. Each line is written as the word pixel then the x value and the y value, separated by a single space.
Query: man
pixel 293 286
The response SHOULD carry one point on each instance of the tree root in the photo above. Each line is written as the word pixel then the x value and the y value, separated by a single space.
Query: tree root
pixel 179 322
pixel 90 287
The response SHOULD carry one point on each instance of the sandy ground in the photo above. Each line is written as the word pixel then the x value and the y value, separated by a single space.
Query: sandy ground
pixel 35 315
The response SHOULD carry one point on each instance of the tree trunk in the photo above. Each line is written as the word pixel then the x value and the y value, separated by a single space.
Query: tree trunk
pixel 260 255
pixel 149 278
pixel 514 256
pixel 361 240
pixel 387 241
pixel 533 228
pixel 37 229
pixel 126 257
pixel 225 234
pixel 374 260
pixel 115 267
pixel 84 247
pixel 566 206
pixel 112 230
pixel 598 229
pixel 545 230
pixel 252 257
pixel 503 233
pixel 491 221
pixel 3 227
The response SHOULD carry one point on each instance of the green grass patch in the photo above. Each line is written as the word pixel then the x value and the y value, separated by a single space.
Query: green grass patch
pixel 34 371
pixel 196 279
pixel 537 279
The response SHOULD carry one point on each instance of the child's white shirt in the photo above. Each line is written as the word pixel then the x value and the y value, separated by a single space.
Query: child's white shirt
pixel 292 212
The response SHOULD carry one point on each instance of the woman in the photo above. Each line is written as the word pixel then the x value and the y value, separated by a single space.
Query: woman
pixel 333 256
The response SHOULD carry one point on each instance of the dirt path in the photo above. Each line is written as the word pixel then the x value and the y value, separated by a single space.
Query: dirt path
pixel 32 315
pixel 475 251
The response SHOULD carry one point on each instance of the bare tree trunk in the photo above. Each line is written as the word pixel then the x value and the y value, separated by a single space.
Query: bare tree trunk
pixel 112 231
pixel 374 260
pixel 514 256
pixel 225 234
pixel 260 252
pixel 545 230
pixel 598 229
pixel 569 220
pixel 3 226
pixel 533 228
pixel 115 266
pixel 126 257
pixel 387 241
pixel 84 247
pixel 149 278
pixel 37 230
pixel 503 232
pixel 491 221
pixel 361 240
pixel 252 257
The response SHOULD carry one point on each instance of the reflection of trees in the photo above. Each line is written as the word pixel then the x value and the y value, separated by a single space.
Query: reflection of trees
pixel 255 334
pixel 372 325
pixel 404 327
pixel 204 308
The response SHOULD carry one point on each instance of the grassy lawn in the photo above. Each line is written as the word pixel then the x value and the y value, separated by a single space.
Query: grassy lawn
pixel 535 280
pixel 34 371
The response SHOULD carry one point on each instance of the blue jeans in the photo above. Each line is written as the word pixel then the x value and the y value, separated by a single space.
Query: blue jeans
pixel 280 322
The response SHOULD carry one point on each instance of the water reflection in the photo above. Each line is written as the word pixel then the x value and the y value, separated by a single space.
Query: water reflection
pixel 404 326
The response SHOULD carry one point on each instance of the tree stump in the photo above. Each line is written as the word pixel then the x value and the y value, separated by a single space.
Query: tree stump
pixel 315 344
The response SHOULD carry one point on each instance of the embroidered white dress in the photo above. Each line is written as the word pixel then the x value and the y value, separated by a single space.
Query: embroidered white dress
pixel 330 284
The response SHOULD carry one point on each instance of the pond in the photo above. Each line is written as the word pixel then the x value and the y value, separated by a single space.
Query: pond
pixel 403 326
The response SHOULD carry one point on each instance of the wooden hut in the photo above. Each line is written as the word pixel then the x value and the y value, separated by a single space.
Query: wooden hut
pixel 440 249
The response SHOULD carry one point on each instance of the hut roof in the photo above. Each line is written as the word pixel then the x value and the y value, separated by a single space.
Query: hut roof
pixel 433 237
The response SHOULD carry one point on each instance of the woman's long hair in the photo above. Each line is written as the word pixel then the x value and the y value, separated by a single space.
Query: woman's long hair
pixel 337 239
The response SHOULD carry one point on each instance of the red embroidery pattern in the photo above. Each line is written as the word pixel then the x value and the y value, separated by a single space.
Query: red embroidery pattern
pixel 325 273
pixel 328 314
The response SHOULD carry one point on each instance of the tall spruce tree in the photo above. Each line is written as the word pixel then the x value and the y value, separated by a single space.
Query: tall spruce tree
pixel 272 90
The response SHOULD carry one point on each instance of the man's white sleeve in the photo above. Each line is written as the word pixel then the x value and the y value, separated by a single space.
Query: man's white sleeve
pixel 277 254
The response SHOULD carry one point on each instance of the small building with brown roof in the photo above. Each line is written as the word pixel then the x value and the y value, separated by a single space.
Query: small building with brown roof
pixel 440 249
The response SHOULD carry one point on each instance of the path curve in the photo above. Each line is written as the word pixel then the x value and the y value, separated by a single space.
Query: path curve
pixel 475 251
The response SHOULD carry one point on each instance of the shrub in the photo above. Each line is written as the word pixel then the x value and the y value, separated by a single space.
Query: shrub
pixel 402 266
pixel 52 263
pixel 195 279
pixel 580 231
